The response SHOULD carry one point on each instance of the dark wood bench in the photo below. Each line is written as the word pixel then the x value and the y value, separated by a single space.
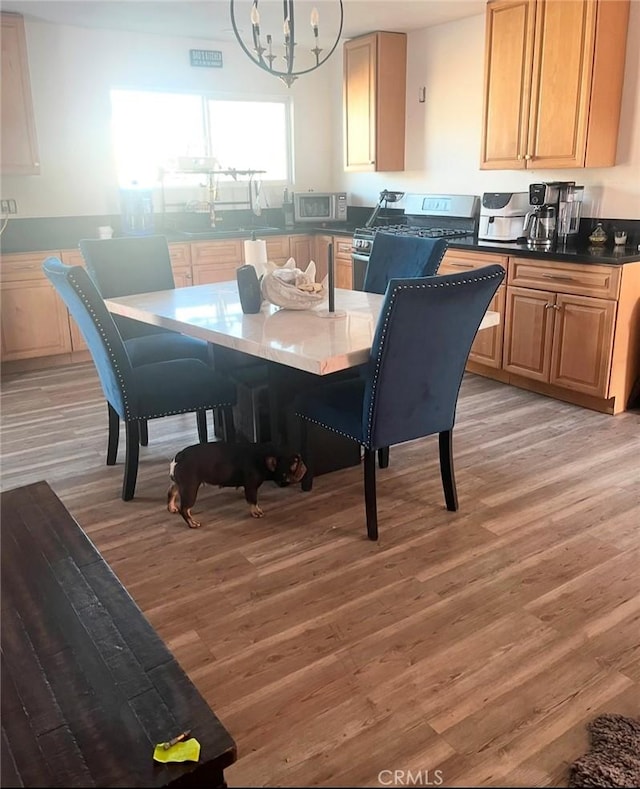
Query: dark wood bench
pixel 88 687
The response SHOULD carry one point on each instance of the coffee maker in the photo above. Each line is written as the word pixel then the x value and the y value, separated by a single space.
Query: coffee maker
pixel 540 224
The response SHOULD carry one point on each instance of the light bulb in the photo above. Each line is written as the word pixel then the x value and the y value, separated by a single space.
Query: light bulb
pixel 286 26
pixel 315 18
pixel 255 16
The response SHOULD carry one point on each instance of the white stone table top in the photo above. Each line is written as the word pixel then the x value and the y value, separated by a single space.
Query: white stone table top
pixel 302 339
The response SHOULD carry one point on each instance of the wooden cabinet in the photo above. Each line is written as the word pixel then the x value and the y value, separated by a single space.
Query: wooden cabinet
pixel 216 261
pixel 278 249
pixel 301 249
pixel 553 83
pixel 321 255
pixel 34 319
pixel 18 142
pixel 487 346
pixel 180 255
pixel 560 322
pixel 374 87
pixel 342 261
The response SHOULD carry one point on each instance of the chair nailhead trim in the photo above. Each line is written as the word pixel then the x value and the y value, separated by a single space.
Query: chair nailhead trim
pixel 128 415
pixel 408 286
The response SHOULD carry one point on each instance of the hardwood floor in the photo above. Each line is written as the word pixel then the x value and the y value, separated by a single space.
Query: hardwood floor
pixel 475 643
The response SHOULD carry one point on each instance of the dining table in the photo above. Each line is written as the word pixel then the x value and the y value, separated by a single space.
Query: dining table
pixel 299 346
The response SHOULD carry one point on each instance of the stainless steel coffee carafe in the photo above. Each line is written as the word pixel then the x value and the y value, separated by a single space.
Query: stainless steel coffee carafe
pixel 540 227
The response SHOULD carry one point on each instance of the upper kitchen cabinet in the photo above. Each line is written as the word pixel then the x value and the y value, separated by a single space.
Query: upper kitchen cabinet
pixel 375 74
pixel 553 83
pixel 19 148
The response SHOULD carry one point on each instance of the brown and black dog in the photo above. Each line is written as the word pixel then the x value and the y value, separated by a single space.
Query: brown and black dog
pixel 229 465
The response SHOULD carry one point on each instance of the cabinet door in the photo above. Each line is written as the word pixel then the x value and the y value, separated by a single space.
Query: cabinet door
pixel 360 103
pixel 321 253
pixel 215 261
pixel 34 319
pixel 528 332
pixel 561 84
pixel 278 249
pixel 582 344
pixel 180 255
pixel 18 142
pixel 487 347
pixel 301 250
pixel 510 27
pixel 343 263
pixel 374 96
pixel 73 257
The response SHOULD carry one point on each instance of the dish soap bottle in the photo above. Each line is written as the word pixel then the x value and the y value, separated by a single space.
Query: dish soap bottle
pixel 598 236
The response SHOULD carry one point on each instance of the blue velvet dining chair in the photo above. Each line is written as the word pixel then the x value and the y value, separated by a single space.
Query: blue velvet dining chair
pixel 420 348
pixel 146 391
pixel 399 256
pixel 139 264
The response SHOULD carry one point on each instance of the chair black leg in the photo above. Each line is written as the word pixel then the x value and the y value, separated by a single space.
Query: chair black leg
pixel 370 493
pixel 201 420
pixel 307 457
pixel 114 436
pixel 228 426
pixel 131 460
pixel 383 457
pixel 446 469
pixel 143 427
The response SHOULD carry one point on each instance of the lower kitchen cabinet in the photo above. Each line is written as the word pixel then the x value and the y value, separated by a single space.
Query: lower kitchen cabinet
pixel 301 249
pixel 342 261
pixel 560 327
pixel 342 266
pixel 34 321
pixel 181 264
pixel 216 261
pixel 487 347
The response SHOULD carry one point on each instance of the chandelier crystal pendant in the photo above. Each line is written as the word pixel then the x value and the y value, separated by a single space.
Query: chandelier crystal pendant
pixel 264 54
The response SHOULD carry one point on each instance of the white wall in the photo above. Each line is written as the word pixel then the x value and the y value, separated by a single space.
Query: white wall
pixel 443 134
pixel 73 69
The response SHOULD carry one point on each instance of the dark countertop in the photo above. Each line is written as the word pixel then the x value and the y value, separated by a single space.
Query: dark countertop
pixel 580 253
pixel 57 233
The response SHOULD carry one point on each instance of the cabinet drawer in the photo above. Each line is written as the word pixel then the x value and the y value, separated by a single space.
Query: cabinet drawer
pixel 342 247
pixel 217 252
pixel 14 268
pixel 599 281
pixel 456 260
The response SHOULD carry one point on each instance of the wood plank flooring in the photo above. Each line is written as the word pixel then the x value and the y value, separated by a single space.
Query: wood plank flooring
pixel 477 643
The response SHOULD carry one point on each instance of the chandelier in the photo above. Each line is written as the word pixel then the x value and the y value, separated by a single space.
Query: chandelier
pixel 264 52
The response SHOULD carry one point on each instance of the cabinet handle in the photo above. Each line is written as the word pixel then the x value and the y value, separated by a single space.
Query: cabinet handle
pixel 563 277
pixel 528 156
pixel 556 307
pixel 548 306
pixel 461 265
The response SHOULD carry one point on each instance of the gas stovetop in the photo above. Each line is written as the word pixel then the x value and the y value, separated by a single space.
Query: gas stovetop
pixel 429 216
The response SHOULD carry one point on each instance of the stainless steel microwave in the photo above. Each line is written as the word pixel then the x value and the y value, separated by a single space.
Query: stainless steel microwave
pixel 320 206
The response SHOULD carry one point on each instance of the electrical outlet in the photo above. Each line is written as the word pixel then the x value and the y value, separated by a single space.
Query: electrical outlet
pixel 8 207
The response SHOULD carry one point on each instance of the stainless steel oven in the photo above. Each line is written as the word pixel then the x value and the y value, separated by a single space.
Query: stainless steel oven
pixel 427 215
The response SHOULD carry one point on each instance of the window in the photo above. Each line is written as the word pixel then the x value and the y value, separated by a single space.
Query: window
pixel 150 129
